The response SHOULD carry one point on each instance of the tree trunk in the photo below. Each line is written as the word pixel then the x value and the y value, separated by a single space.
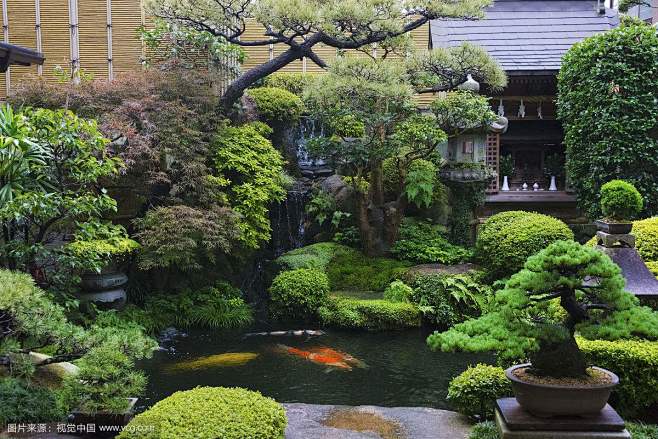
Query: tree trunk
pixel 559 359
pixel 235 91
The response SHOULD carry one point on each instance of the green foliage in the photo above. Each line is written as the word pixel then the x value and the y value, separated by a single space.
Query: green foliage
pixel 606 101
pixel 208 413
pixel 460 111
pixel 316 256
pixel 298 293
pixel 277 105
pixel 620 201
pixel 642 431
pixel 249 172
pixel 106 379
pixel 506 166
pixel 354 271
pixel 553 165
pixel 183 237
pixel 474 392
pixel 398 291
pixel 423 243
pixel 294 82
pixel 220 306
pixel 419 183
pixel 373 315
pixel 321 207
pixel 96 244
pixel 635 362
pixel 448 299
pixel 646 238
pixel 465 198
pixel 507 239
pixel 22 403
pixel 485 430
pixel 521 321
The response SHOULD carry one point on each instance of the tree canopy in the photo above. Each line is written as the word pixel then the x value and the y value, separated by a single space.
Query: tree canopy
pixel 301 25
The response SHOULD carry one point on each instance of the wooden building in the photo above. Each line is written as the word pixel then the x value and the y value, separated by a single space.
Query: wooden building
pixel 528 38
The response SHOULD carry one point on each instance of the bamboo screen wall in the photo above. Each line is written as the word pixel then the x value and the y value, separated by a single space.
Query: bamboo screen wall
pixel 98 36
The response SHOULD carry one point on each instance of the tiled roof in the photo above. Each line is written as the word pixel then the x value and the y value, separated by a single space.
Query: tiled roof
pixel 527 35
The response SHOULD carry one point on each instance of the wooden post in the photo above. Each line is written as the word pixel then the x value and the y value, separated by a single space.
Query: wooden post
pixel 110 69
pixel 75 41
pixel 5 31
pixel 493 160
pixel 37 29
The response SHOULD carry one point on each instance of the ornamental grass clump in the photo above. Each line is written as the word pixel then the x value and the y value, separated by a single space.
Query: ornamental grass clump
pixel 620 201
pixel 523 324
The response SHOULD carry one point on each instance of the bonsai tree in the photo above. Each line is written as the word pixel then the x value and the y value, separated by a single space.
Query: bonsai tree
pixel 565 289
pixel 620 201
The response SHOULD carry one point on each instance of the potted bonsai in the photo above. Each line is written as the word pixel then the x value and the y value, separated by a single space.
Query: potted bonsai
pixel 99 252
pixel 564 290
pixel 620 203
pixel 103 392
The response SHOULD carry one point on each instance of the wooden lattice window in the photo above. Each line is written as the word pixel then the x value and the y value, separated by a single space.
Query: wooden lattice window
pixel 493 159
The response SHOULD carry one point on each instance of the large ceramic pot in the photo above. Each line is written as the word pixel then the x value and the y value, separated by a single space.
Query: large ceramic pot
pixel 546 400
pixel 614 228
pixel 105 424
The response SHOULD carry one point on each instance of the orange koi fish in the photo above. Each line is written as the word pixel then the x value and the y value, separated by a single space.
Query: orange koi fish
pixel 324 356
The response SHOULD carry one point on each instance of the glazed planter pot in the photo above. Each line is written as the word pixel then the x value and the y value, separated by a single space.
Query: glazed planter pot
pixel 614 228
pixel 105 424
pixel 547 400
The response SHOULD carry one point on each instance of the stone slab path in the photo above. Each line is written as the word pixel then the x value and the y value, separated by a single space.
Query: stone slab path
pixel 305 421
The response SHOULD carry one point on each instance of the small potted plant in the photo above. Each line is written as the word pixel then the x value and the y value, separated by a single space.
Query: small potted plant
pixel 99 251
pixel 506 168
pixel 620 203
pixel 103 392
pixel 553 169
pixel 563 290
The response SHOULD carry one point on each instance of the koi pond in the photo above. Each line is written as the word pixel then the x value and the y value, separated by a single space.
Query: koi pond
pixel 391 369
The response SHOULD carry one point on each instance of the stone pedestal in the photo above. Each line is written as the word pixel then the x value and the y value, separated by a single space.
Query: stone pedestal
pixel 515 423
pixel 611 239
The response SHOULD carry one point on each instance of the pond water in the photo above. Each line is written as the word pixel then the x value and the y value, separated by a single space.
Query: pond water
pixel 386 369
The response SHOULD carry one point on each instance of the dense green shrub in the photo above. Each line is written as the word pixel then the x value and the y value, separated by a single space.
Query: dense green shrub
pixel 484 430
pixel 22 403
pixel 297 294
pixel 248 176
pixel 635 362
pixel 620 201
pixel 398 291
pixel 646 238
pixel 292 81
pixel 220 306
pixel 448 299
pixel 474 392
pixel 507 239
pixel 422 243
pixel 611 77
pixel 315 256
pixel 642 431
pixel 354 271
pixel 208 413
pixel 373 315
pixel 277 105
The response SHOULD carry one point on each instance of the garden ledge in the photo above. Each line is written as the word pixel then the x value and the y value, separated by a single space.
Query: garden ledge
pixel 305 421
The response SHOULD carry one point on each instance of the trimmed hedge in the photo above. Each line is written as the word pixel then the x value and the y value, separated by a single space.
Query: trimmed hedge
pixel 474 392
pixel 507 239
pixel 298 293
pixel 620 200
pixel 316 256
pixel 373 315
pixel 276 105
pixel 292 81
pixel 646 238
pixel 354 271
pixel 209 413
pixel 636 364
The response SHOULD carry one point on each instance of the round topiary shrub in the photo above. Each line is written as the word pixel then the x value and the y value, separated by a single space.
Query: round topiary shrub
pixel 620 201
pixel 475 391
pixel 298 293
pixel 646 238
pixel 276 105
pixel 507 239
pixel 210 412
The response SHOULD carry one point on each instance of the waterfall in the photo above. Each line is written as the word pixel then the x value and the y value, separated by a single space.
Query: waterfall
pixel 288 220
pixel 308 129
